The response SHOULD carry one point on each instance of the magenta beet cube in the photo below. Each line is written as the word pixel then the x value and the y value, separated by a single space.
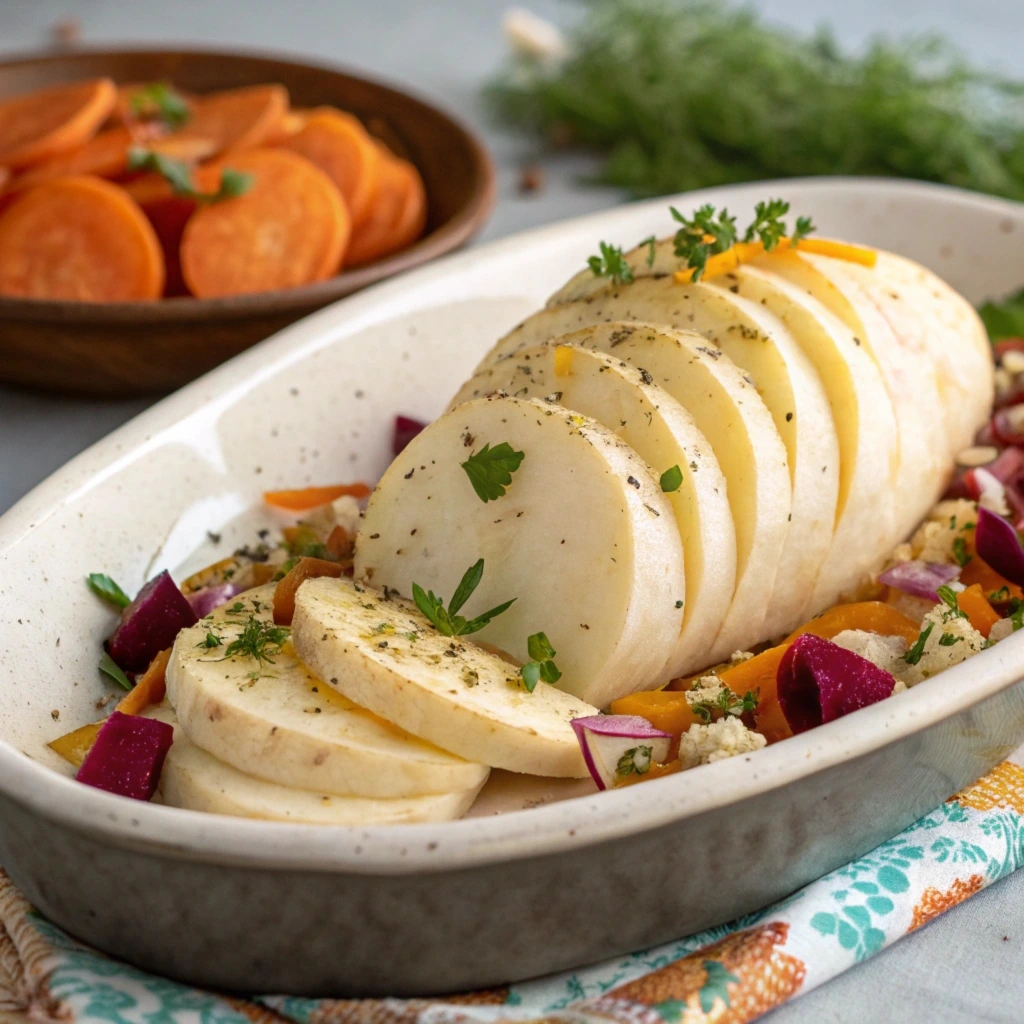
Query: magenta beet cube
pixel 405 430
pixel 127 756
pixel 150 623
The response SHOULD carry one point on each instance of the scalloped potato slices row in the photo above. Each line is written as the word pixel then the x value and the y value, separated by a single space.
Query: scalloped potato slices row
pixel 809 409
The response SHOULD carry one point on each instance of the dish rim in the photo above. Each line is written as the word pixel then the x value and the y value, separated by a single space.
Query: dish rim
pixel 571 824
pixel 472 214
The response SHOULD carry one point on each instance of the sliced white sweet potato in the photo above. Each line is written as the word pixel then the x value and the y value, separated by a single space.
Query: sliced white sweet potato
pixel 628 402
pixel 866 430
pixel 583 540
pixel 196 781
pixel 760 344
pixel 379 650
pixel 277 721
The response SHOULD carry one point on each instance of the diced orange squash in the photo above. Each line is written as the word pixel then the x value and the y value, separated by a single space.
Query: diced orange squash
pixel 73 746
pixel 973 602
pixel 150 688
pixel 978 571
pixel 310 497
pixel 339 543
pixel 667 710
pixel 656 771
pixel 304 569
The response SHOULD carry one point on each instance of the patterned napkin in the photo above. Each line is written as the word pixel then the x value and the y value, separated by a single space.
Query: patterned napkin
pixel 730 975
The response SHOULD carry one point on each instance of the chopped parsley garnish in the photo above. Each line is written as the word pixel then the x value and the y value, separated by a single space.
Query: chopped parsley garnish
pixel 1017 614
pixel 768 225
pixel 650 241
pixel 948 639
pixel 490 470
pixel 999 596
pixel 158 101
pixel 445 620
pixel 260 640
pixel 212 640
pixel 703 235
pixel 110 668
pixel 672 479
pixel 104 587
pixel 637 759
pixel 960 551
pixel 914 655
pixel 728 703
pixel 947 595
pixel 178 175
pixel 611 263
pixel 540 666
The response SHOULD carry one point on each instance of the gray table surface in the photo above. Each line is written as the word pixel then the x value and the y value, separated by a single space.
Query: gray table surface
pixel 964 967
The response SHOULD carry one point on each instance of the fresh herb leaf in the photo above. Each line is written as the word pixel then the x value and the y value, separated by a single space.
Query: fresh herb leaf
pixel 1017 614
pixel 672 479
pixel 110 668
pixel 768 225
pixel 1004 319
pixel 178 175
pixel 159 101
pixel 948 639
pixel 804 227
pixel 611 263
pixel 947 595
pixel 999 596
pixel 728 703
pixel 260 640
pixel 540 667
pixel 650 241
pixel 914 655
pixel 960 551
pixel 104 587
pixel 445 620
pixel 212 640
pixel 637 759
pixel 490 470
pixel 702 235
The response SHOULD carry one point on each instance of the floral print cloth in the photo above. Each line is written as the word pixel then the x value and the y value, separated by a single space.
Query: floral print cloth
pixel 730 975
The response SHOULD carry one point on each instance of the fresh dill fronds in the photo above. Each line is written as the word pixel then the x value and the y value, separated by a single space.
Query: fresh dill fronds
pixel 259 640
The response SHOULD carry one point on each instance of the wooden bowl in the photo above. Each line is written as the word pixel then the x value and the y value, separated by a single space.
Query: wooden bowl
pixel 135 348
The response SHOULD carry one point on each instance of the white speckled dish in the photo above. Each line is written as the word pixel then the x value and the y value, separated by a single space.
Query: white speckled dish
pixel 421 909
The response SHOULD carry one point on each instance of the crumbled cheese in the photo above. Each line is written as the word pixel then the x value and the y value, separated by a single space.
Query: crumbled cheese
pixel 346 512
pixel 938 656
pixel 703 744
pixel 1000 630
pixel 707 688
pixel 884 651
pixel 935 538
pixel 900 687
pixel 738 657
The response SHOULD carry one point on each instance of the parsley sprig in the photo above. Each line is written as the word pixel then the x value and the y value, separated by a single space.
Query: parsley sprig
pixel 703 235
pixel 178 175
pixel 611 263
pixel 158 101
pixel 260 640
pixel 540 667
pixel 947 595
pixel 490 470
pixel 728 703
pixel 446 620
pixel 914 655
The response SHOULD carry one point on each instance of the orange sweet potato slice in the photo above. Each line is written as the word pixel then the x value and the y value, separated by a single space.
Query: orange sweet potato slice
pixel 339 145
pixel 42 124
pixel 289 229
pixel 304 569
pixel 975 605
pixel 397 215
pixel 237 119
pixel 150 688
pixel 82 239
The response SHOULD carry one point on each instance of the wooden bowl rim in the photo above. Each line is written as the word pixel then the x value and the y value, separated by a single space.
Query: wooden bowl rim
pixel 475 208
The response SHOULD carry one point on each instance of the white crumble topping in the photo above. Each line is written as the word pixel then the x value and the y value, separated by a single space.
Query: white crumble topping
pixel 962 641
pixel 738 657
pixel 884 651
pixel 1000 630
pixel 707 688
pixel 704 744
pixel 935 539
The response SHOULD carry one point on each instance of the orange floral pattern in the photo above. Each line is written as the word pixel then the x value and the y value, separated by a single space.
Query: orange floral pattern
pixel 936 901
pixel 1002 787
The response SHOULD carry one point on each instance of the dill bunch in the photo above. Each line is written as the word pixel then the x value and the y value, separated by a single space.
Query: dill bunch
pixel 680 94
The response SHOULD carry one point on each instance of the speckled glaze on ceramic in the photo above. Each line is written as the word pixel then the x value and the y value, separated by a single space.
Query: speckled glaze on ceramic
pixel 423 909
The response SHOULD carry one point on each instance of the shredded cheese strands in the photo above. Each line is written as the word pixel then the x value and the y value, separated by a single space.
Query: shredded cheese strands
pixel 746 252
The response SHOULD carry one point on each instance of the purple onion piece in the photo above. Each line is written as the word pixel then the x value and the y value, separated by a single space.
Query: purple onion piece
pixel 405 430
pixel 127 756
pixel 606 739
pixel 819 681
pixel 206 600
pixel 150 624
pixel 998 544
pixel 922 579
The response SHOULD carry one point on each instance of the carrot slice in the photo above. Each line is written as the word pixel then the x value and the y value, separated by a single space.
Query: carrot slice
pixel 150 688
pixel 310 497
pixel 82 239
pixel 238 118
pixel 41 124
pixel 397 216
pixel 304 569
pixel 339 145
pixel 289 229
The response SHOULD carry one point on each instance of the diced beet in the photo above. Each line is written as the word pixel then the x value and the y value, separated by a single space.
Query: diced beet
pixel 127 756
pixel 405 430
pixel 150 623
pixel 819 681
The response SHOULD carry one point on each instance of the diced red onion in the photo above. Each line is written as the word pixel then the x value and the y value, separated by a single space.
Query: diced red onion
pixel 922 579
pixel 1008 466
pixel 997 544
pixel 606 739
pixel 819 681
pixel 405 430
pixel 204 601
pixel 127 756
pixel 150 623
